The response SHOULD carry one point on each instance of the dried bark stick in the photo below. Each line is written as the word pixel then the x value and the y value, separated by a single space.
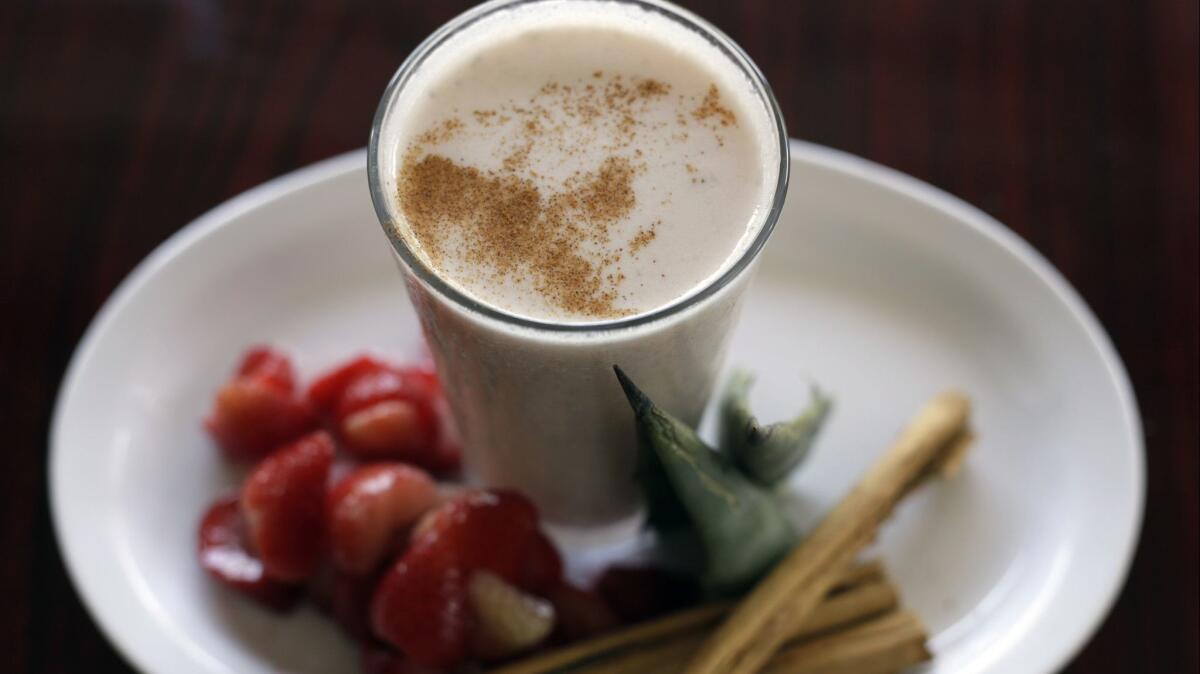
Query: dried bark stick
pixel 838 612
pixel 664 630
pixel 756 629
pixel 882 645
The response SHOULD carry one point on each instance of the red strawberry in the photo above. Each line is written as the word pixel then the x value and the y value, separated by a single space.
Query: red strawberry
pixel 581 613
pixel 223 554
pixel 383 411
pixel 269 365
pixel 401 429
pixel 500 528
pixel 250 418
pixel 284 504
pixel 542 567
pixel 329 390
pixel 371 507
pixel 420 606
pixel 641 593
pixel 326 391
pixel 491 530
pixel 256 411
pixel 388 413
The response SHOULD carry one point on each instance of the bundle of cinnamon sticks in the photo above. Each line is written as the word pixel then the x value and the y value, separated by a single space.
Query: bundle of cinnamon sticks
pixel 818 610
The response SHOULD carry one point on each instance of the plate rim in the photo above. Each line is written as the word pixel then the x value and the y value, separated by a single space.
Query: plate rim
pixel 850 165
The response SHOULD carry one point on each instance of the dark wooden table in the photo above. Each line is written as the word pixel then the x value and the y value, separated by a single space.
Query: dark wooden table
pixel 1074 122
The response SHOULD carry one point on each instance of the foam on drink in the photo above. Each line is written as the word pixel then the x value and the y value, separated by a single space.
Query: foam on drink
pixel 578 161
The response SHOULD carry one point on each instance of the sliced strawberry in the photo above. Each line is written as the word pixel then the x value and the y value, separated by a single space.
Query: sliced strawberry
pixel 267 364
pixel 640 593
pixel 388 413
pixel 498 533
pixel 542 567
pixel 507 620
pixel 284 504
pixel 420 606
pixel 371 507
pixel 490 530
pixel 326 391
pixel 223 554
pixel 383 411
pixel 254 414
pixel 390 428
pixel 581 613
pixel 383 383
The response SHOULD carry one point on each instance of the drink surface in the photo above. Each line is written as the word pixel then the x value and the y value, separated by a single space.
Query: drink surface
pixel 578 161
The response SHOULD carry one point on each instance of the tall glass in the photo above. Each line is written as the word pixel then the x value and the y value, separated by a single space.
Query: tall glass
pixel 536 402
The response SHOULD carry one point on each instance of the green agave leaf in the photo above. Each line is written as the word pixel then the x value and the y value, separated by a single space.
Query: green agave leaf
pixel 767 454
pixel 664 512
pixel 740 525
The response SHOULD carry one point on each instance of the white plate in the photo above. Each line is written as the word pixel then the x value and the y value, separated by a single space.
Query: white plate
pixel 881 288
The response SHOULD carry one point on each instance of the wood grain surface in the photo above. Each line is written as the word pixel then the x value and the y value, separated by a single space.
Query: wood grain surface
pixel 1074 122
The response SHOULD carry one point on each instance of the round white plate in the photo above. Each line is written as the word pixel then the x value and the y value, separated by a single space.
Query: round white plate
pixel 880 288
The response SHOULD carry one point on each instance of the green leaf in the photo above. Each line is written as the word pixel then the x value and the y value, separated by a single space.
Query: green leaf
pixel 767 454
pixel 664 512
pixel 740 525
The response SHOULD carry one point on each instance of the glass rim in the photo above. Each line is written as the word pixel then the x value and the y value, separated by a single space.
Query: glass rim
pixel 428 276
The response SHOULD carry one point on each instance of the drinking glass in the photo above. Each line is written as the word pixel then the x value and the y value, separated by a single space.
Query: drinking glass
pixel 536 402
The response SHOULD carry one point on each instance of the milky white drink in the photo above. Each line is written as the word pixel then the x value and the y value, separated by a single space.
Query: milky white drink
pixel 573 184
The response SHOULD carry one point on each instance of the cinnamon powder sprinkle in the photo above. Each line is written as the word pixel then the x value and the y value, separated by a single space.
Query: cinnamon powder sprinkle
pixel 648 88
pixel 711 107
pixel 643 238
pixel 441 133
pixel 509 225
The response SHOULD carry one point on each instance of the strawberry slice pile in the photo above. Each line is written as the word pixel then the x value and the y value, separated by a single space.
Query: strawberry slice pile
pixel 341 506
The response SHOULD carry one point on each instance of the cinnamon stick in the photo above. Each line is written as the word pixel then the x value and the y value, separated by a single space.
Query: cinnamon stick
pixel 837 612
pixel 860 573
pixel 756 629
pixel 881 645
pixel 669 629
